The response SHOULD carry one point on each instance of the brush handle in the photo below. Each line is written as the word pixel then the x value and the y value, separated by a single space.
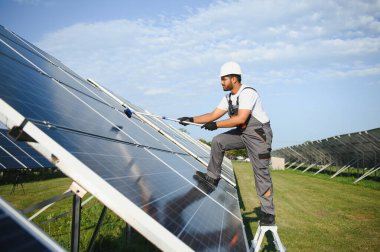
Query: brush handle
pixel 166 118
pixel 176 120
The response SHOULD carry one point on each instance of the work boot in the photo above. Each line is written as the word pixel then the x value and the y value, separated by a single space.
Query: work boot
pixel 204 185
pixel 207 178
pixel 267 220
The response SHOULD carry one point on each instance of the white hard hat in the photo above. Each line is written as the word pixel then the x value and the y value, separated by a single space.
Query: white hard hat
pixel 230 68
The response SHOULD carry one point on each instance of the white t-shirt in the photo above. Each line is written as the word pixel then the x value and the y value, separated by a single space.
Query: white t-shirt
pixel 248 99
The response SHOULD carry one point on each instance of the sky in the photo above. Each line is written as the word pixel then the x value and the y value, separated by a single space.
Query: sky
pixel 315 63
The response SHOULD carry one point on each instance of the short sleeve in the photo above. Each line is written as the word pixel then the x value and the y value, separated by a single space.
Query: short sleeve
pixel 247 99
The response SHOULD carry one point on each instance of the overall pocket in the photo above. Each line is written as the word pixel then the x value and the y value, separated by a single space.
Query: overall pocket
pixel 261 133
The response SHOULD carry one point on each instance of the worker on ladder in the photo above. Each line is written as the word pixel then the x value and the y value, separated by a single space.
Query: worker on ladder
pixel 251 130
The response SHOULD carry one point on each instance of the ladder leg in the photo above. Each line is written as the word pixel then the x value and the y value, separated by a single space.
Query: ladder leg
pixel 261 237
pixel 258 231
pixel 277 242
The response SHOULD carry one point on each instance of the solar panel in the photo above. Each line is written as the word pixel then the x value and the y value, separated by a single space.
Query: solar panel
pixel 131 168
pixel 184 141
pixel 18 234
pixel 17 154
pixel 204 150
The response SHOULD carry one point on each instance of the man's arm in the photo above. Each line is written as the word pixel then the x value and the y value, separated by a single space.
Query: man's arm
pixel 234 121
pixel 209 117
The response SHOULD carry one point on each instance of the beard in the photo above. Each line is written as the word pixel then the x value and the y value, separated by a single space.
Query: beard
pixel 226 88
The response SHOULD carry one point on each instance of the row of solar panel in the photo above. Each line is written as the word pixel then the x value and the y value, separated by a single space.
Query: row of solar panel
pixel 135 171
pixel 359 149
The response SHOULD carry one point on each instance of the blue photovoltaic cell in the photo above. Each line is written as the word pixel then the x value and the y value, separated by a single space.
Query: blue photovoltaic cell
pixel 200 152
pixel 129 155
pixel 7 160
pixel 18 154
pixel 67 110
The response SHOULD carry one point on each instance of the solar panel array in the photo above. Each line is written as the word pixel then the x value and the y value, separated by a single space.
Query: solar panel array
pixel 126 164
pixel 359 149
pixel 19 155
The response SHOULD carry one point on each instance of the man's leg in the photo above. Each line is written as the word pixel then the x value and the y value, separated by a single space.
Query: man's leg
pixel 229 140
pixel 258 143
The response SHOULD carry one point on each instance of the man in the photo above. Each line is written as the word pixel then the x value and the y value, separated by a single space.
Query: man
pixel 252 131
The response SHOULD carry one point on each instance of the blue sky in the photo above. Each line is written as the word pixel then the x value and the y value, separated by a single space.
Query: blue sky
pixel 316 64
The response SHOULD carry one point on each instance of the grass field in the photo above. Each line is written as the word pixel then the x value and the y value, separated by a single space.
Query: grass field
pixel 113 232
pixel 314 213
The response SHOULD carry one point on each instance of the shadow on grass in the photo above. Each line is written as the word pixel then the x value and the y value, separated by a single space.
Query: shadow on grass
pixel 241 202
pixel 131 240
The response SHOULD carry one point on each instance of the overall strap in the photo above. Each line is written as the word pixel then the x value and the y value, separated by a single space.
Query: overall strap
pixel 228 96
pixel 233 109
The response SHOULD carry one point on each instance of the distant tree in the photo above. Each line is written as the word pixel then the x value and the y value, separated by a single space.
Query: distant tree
pixel 205 142
pixel 230 153
pixel 236 153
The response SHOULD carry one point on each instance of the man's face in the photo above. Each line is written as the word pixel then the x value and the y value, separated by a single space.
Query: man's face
pixel 226 83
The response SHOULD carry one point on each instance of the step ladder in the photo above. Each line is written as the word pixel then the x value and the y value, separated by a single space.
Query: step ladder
pixel 257 240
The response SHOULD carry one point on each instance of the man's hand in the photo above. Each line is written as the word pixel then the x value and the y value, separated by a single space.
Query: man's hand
pixel 183 120
pixel 210 126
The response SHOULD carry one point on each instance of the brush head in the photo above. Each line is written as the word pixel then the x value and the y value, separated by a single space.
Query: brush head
pixel 128 112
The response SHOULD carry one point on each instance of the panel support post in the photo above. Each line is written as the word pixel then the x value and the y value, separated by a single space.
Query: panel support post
pixel 75 223
pixel 96 231
pixel 79 192
pixel 128 231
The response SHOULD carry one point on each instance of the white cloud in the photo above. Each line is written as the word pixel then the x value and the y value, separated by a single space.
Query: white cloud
pixel 247 31
pixel 360 72
pixel 162 62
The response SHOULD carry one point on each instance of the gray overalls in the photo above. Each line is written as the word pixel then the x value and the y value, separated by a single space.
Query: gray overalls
pixel 257 138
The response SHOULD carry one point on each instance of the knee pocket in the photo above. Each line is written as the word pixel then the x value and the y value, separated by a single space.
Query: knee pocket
pixel 265 155
pixel 261 133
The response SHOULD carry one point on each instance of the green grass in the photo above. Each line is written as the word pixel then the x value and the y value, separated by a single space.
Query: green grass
pixel 113 232
pixel 35 192
pixel 347 177
pixel 342 179
pixel 315 213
